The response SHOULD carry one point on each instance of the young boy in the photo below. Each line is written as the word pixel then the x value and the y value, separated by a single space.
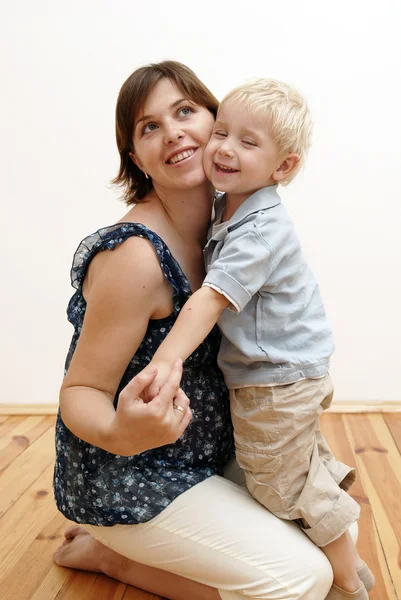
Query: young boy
pixel 276 339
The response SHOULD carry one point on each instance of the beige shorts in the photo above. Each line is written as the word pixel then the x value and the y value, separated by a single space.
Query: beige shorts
pixel 288 465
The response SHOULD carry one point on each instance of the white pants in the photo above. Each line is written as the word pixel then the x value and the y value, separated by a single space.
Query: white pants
pixel 218 535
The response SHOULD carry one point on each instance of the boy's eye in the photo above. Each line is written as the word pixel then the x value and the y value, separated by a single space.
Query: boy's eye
pixel 248 142
pixel 149 127
pixel 220 133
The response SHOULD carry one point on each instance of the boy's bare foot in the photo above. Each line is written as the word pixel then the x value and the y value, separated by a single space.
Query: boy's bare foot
pixel 81 551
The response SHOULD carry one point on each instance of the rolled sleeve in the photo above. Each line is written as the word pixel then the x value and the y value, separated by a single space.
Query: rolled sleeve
pixel 232 306
pixel 242 267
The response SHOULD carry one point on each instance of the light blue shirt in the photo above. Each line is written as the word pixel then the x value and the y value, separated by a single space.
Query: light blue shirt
pixel 276 330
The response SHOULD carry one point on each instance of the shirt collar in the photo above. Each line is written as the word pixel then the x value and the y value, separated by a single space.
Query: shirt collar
pixel 262 199
pixel 265 198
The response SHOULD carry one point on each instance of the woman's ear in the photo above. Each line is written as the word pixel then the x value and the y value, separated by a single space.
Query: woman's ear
pixel 288 165
pixel 135 160
pixel 138 163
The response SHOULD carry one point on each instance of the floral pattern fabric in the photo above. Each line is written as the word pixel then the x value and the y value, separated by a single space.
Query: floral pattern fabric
pixel 99 488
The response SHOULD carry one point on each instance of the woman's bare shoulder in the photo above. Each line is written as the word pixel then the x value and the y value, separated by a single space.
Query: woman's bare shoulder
pixel 131 266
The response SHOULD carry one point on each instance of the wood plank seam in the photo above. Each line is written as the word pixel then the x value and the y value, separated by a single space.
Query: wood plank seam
pixel 336 407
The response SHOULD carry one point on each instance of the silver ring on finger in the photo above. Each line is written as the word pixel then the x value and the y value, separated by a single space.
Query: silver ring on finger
pixel 181 409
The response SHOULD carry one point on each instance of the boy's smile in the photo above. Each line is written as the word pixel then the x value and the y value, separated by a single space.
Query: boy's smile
pixel 223 169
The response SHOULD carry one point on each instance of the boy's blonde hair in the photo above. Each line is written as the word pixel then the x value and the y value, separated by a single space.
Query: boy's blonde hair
pixel 290 121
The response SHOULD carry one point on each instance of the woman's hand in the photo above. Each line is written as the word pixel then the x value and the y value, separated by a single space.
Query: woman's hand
pixel 139 425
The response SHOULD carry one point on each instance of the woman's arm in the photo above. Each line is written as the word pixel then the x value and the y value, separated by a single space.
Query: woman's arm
pixel 126 289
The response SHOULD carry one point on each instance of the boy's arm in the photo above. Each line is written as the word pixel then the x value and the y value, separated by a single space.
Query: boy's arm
pixel 241 269
pixel 195 321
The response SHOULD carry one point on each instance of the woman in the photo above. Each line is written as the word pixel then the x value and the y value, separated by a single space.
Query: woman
pixel 144 478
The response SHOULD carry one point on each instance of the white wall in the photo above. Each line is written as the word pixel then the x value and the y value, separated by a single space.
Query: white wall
pixel 63 64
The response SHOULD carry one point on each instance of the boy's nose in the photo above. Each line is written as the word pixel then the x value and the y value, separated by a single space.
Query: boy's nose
pixel 225 150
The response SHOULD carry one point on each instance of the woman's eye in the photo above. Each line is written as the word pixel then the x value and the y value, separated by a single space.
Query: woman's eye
pixel 185 111
pixel 149 127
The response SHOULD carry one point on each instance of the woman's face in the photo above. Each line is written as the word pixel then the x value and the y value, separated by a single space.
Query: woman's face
pixel 170 135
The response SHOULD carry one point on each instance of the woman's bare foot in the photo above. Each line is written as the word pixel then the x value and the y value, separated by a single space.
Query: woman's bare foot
pixel 81 551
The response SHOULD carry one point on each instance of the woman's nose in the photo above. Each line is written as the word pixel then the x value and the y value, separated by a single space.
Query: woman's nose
pixel 172 134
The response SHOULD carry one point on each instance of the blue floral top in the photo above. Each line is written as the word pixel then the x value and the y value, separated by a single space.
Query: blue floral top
pixel 99 488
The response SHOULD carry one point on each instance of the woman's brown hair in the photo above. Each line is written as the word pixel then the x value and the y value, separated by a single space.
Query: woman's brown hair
pixel 131 98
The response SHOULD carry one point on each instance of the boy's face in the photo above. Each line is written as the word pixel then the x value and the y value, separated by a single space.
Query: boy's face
pixel 241 157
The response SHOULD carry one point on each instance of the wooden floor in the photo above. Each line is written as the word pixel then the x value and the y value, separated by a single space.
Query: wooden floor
pixel 31 528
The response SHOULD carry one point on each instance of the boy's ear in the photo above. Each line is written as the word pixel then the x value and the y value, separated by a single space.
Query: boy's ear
pixel 288 165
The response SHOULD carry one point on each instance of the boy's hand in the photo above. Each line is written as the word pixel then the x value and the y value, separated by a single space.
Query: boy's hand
pixel 163 371
pixel 138 425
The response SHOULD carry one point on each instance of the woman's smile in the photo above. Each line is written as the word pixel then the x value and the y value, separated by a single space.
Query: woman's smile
pixel 181 155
